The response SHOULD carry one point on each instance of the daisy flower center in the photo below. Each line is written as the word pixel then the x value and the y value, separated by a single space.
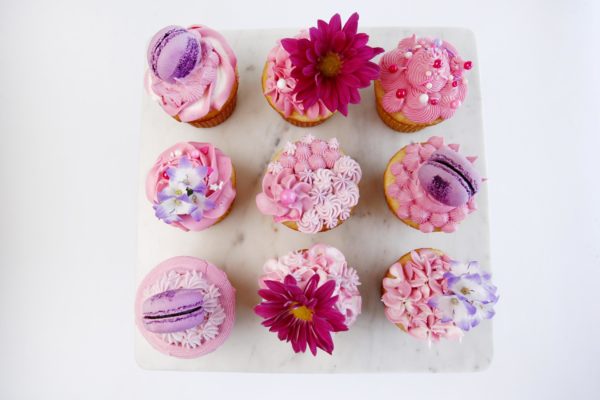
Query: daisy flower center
pixel 466 291
pixel 330 65
pixel 302 313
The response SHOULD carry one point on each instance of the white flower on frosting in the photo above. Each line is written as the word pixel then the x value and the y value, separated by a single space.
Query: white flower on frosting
pixel 308 139
pixel 323 178
pixel 216 186
pixel 290 148
pixel 310 222
pixel 274 167
pixel 306 176
pixel 333 144
pixel 345 165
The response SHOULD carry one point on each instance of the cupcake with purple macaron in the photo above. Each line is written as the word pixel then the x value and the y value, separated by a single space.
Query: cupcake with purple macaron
pixel 185 307
pixel 430 186
pixel 192 74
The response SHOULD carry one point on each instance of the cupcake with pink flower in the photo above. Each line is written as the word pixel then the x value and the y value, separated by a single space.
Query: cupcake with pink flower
pixel 431 297
pixel 308 295
pixel 310 186
pixel 430 186
pixel 191 186
pixel 422 83
pixel 311 76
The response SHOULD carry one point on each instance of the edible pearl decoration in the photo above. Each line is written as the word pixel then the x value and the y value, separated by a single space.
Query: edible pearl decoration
pixel 423 98
pixel 408 54
pixel 429 85
pixel 433 102
pixel 468 65
pixel 287 197
pixel 427 73
pixel 393 68
pixel 401 93
pixel 165 175
pixel 280 83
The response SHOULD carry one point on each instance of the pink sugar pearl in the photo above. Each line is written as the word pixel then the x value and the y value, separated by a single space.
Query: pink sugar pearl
pixel 318 147
pixel 287 197
pixel 316 162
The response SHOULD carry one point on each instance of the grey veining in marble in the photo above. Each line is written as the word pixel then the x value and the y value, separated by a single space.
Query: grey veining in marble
pixel 372 239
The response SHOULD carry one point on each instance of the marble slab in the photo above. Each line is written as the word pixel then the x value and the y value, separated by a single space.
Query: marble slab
pixel 372 239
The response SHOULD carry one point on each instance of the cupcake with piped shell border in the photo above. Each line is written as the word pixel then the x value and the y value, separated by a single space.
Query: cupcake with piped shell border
pixel 310 186
pixel 185 307
pixel 430 186
pixel 192 75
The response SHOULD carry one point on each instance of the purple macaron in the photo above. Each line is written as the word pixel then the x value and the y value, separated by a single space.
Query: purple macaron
pixel 173 311
pixel 173 53
pixel 449 177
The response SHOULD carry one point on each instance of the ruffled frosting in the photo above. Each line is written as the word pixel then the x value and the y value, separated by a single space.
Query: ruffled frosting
pixel 280 85
pixel 311 183
pixel 214 312
pixel 431 296
pixel 415 204
pixel 206 88
pixel 220 190
pixel 327 262
pixel 423 79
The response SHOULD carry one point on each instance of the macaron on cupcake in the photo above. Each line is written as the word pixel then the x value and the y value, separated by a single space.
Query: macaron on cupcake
pixel 430 186
pixel 307 295
pixel 422 83
pixel 309 77
pixel 431 297
pixel 310 186
pixel 191 186
pixel 185 307
pixel 192 74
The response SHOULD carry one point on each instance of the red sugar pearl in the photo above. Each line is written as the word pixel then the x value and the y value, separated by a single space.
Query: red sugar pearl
pixel 454 84
pixel 401 93
pixel 437 63
pixel 393 68
pixel 433 102
pixel 165 175
pixel 468 65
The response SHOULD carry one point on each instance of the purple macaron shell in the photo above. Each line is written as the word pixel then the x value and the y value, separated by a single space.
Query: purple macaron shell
pixel 173 311
pixel 449 177
pixel 173 53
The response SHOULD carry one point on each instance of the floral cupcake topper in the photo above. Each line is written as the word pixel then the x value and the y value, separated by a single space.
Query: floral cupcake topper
pixel 332 63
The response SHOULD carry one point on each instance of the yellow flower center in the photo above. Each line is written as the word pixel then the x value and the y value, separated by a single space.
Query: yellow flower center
pixel 454 300
pixel 303 313
pixel 465 291
pixel 330 65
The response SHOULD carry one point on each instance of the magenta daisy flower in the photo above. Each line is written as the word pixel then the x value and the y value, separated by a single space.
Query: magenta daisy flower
pixel 301 316
pixel 332 64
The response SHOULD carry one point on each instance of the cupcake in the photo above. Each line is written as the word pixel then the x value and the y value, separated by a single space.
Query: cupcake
pixel 185 307
pixel 311 186
pixel 311 76
pixel 430 186
pixel 421 84
pixel 307 295
pixel 192 74
pixel 431 297
pixel 191 186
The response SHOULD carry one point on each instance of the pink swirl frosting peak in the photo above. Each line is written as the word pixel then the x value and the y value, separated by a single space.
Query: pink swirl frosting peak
pixel 206 88
pixel 220 186
pixel 423 79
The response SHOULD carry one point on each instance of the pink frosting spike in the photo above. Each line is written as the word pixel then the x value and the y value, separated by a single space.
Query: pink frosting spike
pixel 472 159
pixel 454 146
pixel 436 141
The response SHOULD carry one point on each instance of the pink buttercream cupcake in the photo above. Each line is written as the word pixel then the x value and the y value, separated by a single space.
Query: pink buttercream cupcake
pixel 192 74
pixel 185 307
pixel 307 295
pixel 430 186
pixel 309 77
pixel 191 186
pixel 421 84
pixel 431 297
pixel 311 186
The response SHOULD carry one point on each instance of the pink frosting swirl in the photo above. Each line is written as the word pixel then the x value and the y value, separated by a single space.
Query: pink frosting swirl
pixel 279 85
pixel 220 186
pixel 284 196
pixel 415 203
pixel 423 79
pixel 327 262
pixel 206 88
pixel 408 289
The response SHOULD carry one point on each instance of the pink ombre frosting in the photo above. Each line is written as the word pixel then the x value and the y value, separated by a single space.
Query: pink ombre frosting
pixel 415 203
pixel 219 303
pixel 206 88
pixel 311 183
pixel 220 185
pixel 279 85
pixel 408 291
pixel 423 79
pixel 327 262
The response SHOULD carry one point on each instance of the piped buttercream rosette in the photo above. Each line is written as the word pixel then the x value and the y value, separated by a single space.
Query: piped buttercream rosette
pixel 311 186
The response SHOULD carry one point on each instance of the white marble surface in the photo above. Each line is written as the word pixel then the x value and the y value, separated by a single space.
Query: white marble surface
pixel 371 240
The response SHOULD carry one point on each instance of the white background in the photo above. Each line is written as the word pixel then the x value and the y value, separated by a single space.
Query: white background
pixel 70 87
